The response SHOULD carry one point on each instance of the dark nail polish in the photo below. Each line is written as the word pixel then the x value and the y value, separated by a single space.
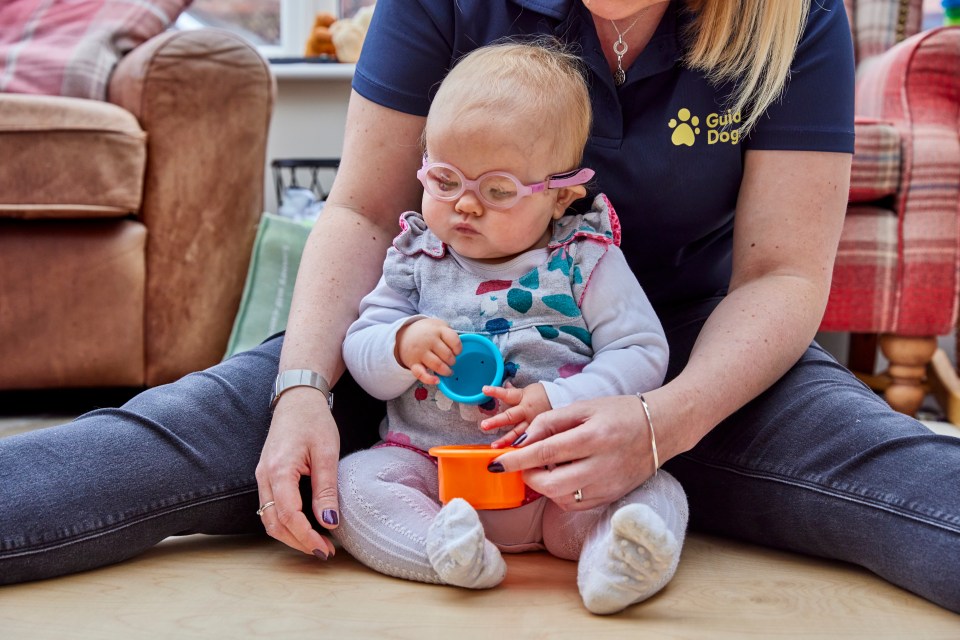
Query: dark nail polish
pixel 320 554
pixel 330 517
pixel 495 467
pixel 519 441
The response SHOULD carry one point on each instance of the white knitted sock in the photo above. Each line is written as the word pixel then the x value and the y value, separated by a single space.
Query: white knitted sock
pixel 458 550
pixel 634 553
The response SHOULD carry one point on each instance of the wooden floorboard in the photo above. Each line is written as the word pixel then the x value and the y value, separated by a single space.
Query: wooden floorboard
pixel 253 587
pixel 250 587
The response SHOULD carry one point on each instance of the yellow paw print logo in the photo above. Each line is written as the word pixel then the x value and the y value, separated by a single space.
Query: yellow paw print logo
pixel 686 130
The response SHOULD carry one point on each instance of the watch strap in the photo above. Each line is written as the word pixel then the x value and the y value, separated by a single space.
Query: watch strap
pixel 291 378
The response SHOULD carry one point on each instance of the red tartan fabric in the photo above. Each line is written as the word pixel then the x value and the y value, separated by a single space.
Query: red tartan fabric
pixel 878 25
pixel 875 173
pixel 69 47
pixel 897 271
pixel 865 274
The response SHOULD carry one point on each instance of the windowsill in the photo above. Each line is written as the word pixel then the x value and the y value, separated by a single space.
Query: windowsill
pixel 312 70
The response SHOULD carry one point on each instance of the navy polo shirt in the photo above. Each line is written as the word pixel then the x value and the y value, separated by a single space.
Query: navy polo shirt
pixel 659 144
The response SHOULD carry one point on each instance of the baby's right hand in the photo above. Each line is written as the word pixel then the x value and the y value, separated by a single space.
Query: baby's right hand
pixel 428 347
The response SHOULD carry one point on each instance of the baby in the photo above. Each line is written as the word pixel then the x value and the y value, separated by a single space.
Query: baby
pixel 496 252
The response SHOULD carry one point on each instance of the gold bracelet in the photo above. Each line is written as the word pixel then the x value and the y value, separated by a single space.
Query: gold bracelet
pixel 653 436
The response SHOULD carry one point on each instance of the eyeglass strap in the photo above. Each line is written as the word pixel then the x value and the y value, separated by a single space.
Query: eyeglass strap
pixel 570 179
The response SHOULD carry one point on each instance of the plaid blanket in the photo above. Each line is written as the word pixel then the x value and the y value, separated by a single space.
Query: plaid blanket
pixel 69 47
pixel 877 25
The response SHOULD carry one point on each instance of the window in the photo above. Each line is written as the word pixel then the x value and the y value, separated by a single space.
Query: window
pixel 279 28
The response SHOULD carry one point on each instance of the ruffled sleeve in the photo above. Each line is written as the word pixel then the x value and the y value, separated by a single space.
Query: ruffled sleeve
pixel 599 224
pixel 415 237
pixel 414 240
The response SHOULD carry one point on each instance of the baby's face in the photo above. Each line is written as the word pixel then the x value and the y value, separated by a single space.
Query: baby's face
pixel 474 229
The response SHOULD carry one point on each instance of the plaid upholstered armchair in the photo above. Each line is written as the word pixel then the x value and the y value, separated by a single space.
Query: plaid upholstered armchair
pixel 896 276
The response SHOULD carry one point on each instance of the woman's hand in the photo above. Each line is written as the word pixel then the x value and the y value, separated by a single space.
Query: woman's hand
pixel 526 404
pixel 341 262
pixel 600 447
pixel 303 441
pixel 428 347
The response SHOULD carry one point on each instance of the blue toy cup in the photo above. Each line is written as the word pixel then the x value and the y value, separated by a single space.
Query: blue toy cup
pixel 478 364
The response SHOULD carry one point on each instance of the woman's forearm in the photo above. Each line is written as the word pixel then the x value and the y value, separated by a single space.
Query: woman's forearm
pixel 341 263
pixel 789 217
pixel 750 340
pixel 344 255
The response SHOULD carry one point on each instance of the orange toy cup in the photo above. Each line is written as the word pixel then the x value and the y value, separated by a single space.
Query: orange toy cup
pixel 463 474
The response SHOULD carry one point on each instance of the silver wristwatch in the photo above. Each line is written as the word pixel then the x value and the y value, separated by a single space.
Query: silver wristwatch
pixel 299 378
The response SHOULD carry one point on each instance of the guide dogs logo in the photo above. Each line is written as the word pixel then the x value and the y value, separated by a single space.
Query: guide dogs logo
pixel 686 128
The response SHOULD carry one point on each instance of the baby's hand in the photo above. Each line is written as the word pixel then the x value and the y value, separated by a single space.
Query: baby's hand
pixel 527 404
pixel 428 347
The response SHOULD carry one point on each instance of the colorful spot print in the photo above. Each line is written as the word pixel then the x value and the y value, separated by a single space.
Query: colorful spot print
pixel 579 333
pixel 493 285
pixel 519 300
pixel 560 261
pixel 562 303
pixel 531 280
pixel 489 306
pixel 547 332
pixel 497 326
pixel 569 370
pixel 443 402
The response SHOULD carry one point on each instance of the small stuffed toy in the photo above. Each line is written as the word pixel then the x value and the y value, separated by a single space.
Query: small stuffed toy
pixel 348 34
pixel 320 42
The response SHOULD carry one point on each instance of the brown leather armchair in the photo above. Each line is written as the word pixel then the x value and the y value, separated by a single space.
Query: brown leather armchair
pixel 126 226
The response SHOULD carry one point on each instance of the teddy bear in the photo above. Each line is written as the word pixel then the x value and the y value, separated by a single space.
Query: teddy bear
pixel 320 42
pixel 348 34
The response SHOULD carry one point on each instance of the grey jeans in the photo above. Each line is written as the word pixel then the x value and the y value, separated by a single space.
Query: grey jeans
pixel 818 464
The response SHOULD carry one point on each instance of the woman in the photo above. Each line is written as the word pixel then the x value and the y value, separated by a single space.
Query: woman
pixel 732 236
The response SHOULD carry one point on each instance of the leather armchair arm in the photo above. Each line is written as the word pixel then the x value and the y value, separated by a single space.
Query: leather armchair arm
pixel 205 99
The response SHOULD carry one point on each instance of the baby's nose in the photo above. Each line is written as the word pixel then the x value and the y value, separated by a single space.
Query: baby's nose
pixel 469 203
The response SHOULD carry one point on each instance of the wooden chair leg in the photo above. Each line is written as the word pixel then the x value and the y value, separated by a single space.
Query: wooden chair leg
pixel 908 358
pixel 945 385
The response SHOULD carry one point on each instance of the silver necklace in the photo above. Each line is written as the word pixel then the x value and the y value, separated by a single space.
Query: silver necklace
pixel 620 49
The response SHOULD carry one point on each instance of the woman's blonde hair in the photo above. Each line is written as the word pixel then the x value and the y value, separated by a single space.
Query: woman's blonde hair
pixel 748 42
pixel 538 81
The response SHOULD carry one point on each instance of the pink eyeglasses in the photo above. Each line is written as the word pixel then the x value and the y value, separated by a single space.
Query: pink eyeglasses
pixel 496 189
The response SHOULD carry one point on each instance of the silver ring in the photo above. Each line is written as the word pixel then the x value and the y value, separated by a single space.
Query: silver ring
pixel 266 506
pixel 578 496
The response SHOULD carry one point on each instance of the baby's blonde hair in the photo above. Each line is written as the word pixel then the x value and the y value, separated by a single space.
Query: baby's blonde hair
pixel 539 83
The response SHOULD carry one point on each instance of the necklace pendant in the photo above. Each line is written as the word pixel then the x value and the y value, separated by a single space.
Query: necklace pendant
pixel 619 77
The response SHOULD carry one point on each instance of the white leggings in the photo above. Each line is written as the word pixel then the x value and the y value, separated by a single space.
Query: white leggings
pixel 389 497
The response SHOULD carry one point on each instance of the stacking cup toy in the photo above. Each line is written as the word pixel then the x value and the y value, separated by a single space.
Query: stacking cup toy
pixel 479 363
pixel 463 474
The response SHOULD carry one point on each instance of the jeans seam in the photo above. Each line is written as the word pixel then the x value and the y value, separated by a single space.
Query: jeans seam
pixel 104 531
pixel 828 491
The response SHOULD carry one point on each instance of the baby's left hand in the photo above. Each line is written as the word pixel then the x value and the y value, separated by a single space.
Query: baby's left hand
pixel 527 404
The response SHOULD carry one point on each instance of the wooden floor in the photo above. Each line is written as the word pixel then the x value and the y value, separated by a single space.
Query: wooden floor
pixel 245 587
pixel 253 587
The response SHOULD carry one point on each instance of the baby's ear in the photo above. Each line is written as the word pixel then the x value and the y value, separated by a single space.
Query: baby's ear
pixel 567 196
